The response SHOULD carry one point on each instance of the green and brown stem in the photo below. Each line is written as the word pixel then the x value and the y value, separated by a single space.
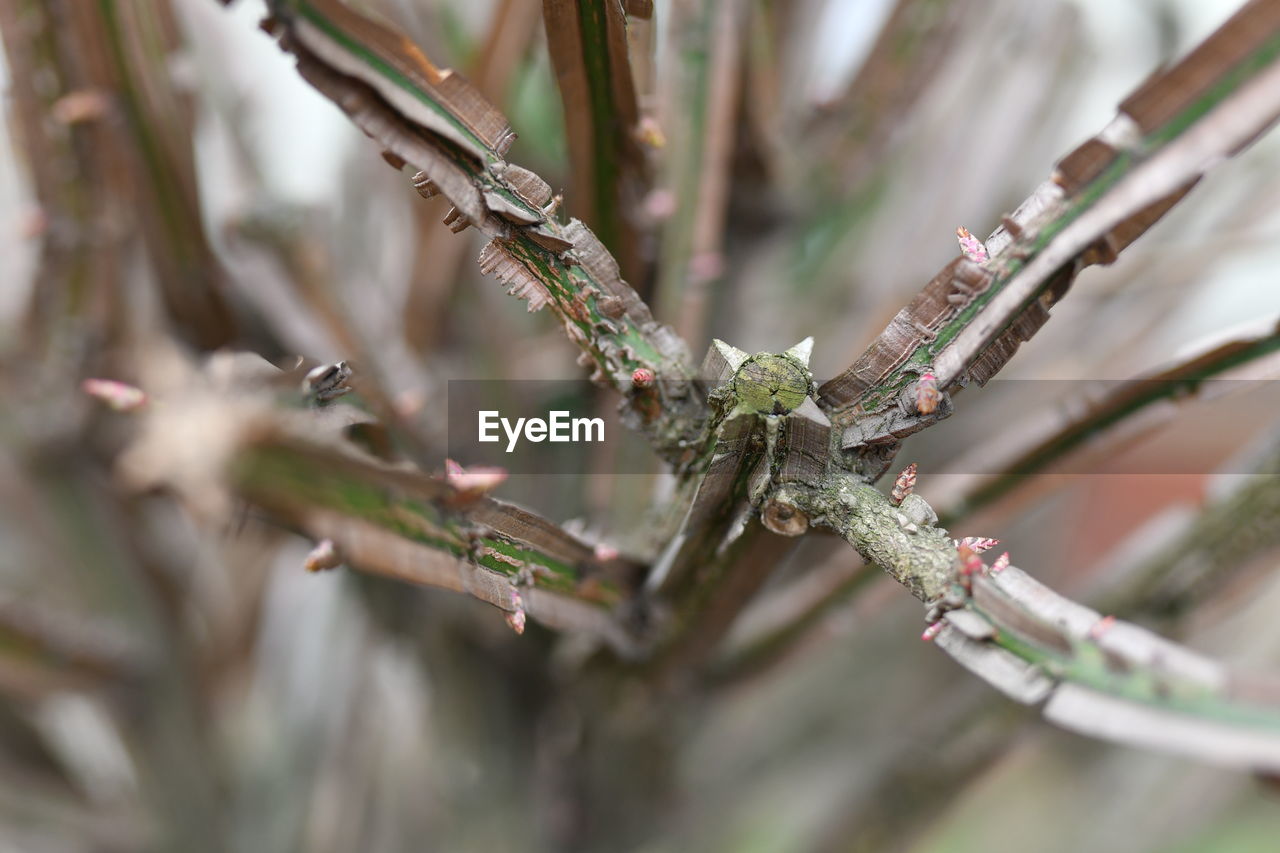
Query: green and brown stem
pixel 1097 676
pixel 587 42
pixel 970 319
pixel 435 120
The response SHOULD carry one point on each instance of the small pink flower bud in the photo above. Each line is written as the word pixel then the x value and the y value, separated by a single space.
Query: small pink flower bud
pixel 324 556
pixel 706 266
pixel 516 616
pixel 972 247
pixel 475 480
pixel 660 204
pixel 1101 627
pixel 649 132
pixel 970 564
pixel 927 393
pixel 117 395
pixel 904 485
pixel 978 544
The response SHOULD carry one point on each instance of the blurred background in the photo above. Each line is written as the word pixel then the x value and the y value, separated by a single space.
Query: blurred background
pixel 167 179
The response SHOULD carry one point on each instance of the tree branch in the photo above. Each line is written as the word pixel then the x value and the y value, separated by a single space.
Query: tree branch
pixel 227 433
pixel 1088 422
pixel 969 320
pixel 1096 675
pixel 701 117
pixel 1224 538
pixel 587 41
pixel 435 120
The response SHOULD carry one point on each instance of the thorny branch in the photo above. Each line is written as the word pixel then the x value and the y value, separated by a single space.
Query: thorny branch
pixel 784 464
pixel 1094 674
pixel 435 120
pixel 298 466
pixel 970 319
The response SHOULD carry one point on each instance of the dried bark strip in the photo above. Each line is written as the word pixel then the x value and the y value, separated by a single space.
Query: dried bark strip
pixel 295 477
pixel 434 120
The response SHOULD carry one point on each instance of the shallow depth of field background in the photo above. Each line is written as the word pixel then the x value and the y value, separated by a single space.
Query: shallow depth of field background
pixel 335 712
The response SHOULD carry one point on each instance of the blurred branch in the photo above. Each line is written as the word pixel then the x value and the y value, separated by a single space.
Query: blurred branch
pixel 587 41
pixel 101 121
pixel 1105 417
pixel 1221 540
pixel 701 100
pixel 126 126
pixel 791 617
pixel 969 320
pixel 723 586
pixel 44 651
pixel 850 135
pixel 511 32
pixel 948 749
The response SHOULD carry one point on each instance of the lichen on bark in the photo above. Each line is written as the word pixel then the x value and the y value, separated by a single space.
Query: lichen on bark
pixel 902 540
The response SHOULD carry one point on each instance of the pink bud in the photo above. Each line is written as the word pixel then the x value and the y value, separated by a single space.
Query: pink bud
pixel 978 544
pixel 515 618
pixel 972 247
pixel 323 556
pixel 1001 563
pixel 932 631
pixel 117 395
pixel 970 563
pixel 649 132
pixel 1101 627
pixel 642 377
pixel 706 266
pixel 475 480
pixel 660 204
pixel 83 105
